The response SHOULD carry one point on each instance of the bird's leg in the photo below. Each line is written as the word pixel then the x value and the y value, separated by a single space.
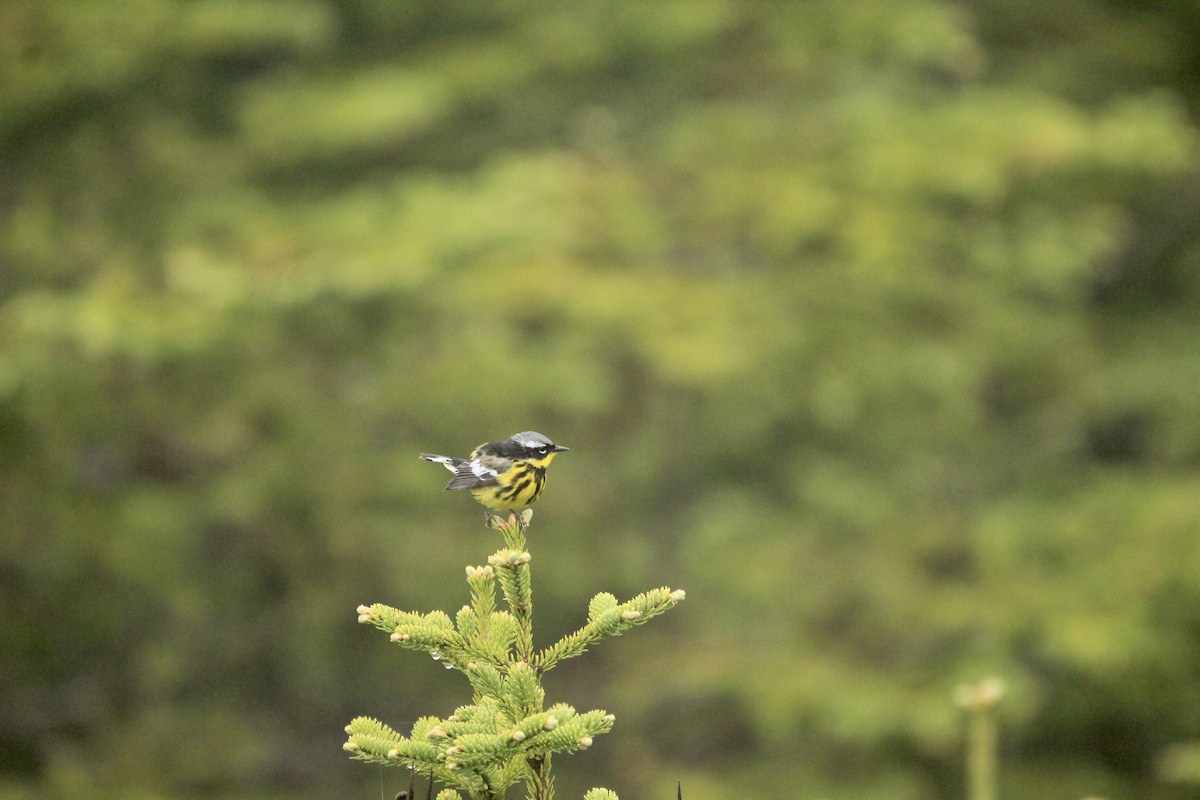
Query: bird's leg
pixel 493 519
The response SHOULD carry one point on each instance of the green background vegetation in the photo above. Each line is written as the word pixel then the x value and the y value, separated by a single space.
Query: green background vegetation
pixel 873 325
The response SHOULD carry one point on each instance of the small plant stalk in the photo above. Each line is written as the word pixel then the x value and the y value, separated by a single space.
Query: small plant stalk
pixel 981 754
pixel 982 737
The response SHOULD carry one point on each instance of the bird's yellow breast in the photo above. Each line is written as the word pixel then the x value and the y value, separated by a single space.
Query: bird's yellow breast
pixel 517 487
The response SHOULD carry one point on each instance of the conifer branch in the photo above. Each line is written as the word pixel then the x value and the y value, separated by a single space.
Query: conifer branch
pixel 512 570
pixel 605 619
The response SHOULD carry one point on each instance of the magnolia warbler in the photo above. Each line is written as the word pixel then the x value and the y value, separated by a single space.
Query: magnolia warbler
pixel 503 476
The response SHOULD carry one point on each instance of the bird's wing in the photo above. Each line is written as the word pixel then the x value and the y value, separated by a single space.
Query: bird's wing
pixel 471 473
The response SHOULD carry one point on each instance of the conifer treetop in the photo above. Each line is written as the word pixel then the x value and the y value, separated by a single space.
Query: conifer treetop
pixel 507 734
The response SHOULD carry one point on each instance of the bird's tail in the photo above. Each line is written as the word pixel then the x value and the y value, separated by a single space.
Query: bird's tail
pixel 448 462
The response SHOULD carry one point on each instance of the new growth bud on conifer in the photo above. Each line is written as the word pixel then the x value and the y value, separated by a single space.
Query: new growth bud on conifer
pixel 600 794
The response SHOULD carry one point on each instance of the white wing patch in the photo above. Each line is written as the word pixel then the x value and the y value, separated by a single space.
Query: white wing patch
pixel 479 470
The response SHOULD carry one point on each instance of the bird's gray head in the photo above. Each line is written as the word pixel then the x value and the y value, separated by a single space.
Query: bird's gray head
pixel 532 443
pixel 530 439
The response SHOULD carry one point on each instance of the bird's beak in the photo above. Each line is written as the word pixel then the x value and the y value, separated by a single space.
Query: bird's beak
pixel 558 448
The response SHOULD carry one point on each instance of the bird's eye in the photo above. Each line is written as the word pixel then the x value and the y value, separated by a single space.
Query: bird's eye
pixel 543 450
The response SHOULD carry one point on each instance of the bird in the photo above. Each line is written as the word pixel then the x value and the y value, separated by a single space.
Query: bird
pixel 503 475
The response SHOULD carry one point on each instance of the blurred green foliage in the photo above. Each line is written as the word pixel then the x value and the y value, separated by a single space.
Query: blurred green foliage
pixel 871 324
